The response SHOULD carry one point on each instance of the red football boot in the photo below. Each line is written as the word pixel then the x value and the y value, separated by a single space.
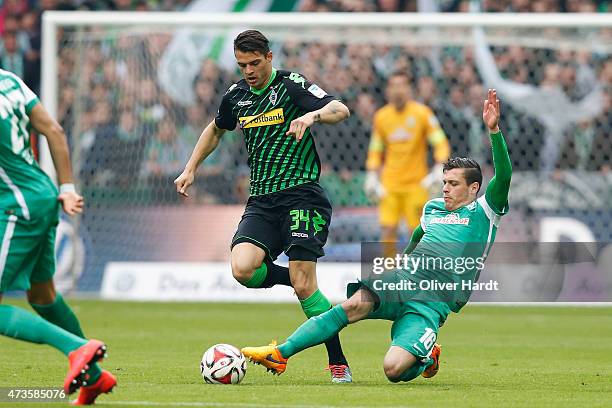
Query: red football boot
pixel 79 362
pixel 89 393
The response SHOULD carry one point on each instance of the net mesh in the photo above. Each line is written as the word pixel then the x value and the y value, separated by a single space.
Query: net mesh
pixel 134 100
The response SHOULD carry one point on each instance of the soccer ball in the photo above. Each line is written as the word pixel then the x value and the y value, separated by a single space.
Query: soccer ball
pixel 223 364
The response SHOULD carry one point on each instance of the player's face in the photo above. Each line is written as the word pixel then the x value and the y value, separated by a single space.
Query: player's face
pixel 456 191
pixel 255 67
pixel 398 90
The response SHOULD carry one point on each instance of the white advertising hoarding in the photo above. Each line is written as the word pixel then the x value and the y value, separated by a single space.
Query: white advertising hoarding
pixel 210 281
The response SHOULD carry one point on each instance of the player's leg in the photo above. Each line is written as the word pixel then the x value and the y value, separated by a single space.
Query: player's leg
pixel 413 351
pixel 42 295
pixel 306 226
pixel 389 212
pixel 51 306
pixel 314 331
pixel 397 365
pixel 304 280
pixel 252 268
pixel 21 250
pixel 254 247
pixel 22 325
pixel 246 259
pixel 413 206
pixel 18 257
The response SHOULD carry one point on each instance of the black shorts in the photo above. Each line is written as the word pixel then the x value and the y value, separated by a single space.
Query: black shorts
pixel 295 220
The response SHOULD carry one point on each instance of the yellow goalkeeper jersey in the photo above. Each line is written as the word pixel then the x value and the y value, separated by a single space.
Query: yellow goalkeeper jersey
pixel 399 144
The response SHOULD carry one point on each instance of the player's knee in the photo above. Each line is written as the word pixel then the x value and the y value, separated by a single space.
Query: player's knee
pixel 398 370
pixel 393 372
pixel 356 309
pixel 242 270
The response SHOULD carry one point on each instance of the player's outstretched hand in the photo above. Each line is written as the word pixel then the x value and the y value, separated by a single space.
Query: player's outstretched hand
pixel 183 182
pixel 491 111
pixel 72 203
pixel 298 126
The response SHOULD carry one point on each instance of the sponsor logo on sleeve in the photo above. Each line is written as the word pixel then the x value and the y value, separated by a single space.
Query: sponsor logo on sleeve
pixel 316 91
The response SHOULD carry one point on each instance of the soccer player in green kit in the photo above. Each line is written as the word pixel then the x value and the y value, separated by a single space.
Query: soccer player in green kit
pixel 458 224
pixel 287 209
pixel 29 214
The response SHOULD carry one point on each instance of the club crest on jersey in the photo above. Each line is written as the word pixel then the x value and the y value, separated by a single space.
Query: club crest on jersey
pixel 273 117
pixel 452 218
pixel 273 96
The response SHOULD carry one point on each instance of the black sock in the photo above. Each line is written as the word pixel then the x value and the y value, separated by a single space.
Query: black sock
pixel 334 351
pixel 276 275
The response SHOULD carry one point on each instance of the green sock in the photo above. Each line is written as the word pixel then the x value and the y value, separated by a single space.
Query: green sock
pixel 60 314
pixel 19 324
pixel 315 331
pixel 258 277
pixel 315 304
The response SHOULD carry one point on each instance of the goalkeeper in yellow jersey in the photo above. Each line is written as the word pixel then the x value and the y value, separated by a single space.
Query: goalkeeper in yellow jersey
pixel 398 176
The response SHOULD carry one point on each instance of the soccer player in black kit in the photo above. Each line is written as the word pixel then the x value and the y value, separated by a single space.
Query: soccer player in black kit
pixel 287 209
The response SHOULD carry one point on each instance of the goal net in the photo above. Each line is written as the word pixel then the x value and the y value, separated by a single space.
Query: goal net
pixel 133 92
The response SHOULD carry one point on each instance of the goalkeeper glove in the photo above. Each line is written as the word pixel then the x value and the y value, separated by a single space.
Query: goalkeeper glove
pixel 433 180
pixel 374 190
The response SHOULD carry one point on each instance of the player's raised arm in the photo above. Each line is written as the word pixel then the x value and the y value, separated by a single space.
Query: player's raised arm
pixel 498 188
pixel 208 141
pixel 41 120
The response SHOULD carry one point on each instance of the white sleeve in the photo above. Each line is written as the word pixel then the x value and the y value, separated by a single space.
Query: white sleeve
pixel 491 215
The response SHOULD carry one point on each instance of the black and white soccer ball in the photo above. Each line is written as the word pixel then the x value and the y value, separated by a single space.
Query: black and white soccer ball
pixel 223 364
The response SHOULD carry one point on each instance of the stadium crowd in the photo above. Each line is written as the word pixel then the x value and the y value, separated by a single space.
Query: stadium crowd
pixel 122 121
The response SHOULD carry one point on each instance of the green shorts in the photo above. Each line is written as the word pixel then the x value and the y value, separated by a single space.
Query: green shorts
pixel 27 252
pixel 415 324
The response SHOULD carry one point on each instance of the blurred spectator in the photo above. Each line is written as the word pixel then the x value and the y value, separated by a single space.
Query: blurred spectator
pixel 31 29
pixel 12 58
pixel 99 167
pixel 164 157
pixel 130 149
pixel 148 109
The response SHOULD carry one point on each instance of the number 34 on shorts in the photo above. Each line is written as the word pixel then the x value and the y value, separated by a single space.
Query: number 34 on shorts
pixel 305 221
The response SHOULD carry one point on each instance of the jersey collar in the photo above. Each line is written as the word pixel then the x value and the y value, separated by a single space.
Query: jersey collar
pixel 260 91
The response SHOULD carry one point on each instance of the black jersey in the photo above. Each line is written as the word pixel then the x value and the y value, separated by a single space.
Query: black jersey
pixel 277 161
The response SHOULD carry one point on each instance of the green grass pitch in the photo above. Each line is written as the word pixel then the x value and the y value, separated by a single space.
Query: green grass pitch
pixel 491 356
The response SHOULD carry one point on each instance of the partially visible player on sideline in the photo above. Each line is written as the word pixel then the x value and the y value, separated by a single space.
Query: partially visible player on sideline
pixel 458 226
pixel 288 210
pixel 397 170
pixel 29 214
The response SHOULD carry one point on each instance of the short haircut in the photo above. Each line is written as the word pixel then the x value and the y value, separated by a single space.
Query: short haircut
pixel 252 41
pixel 401 73
pixel 471 169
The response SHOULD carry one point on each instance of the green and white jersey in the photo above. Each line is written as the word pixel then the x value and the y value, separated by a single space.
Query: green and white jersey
pixel 25 189
pixel 277 161
pixel 454 246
